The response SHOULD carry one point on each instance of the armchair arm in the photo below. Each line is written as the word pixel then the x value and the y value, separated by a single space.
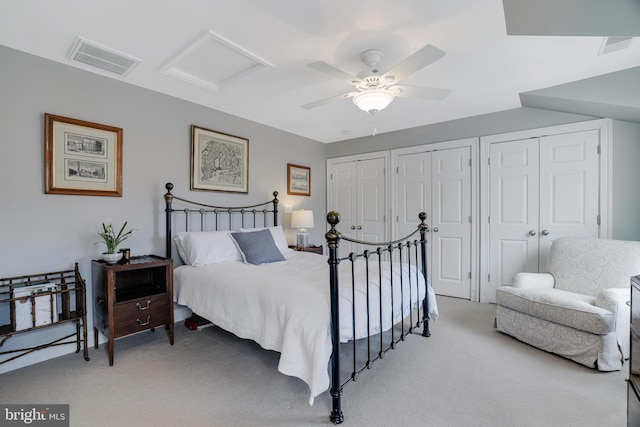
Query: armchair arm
pixel 533 280
pixel 611 299
pixel 615 300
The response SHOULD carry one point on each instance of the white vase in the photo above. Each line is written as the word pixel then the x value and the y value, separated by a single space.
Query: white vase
pixel 111 258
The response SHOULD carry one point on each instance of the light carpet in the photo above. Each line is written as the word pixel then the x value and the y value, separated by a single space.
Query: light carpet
pixel 466 374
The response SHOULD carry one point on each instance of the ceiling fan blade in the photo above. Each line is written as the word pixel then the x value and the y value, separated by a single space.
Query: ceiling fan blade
pixel 420 59
pixel 315 104
pixel 334 72
pixel 420 92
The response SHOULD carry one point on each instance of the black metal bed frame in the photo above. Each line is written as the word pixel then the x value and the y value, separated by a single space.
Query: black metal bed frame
pixel 382 252
pixel 217 211
pixel 415 250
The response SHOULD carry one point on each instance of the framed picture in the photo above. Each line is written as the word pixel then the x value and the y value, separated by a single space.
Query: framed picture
pixel 298 180
pixel 219 162
pixel 82 158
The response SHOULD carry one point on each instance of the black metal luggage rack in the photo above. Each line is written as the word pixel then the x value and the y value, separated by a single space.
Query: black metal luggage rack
pixel 38 301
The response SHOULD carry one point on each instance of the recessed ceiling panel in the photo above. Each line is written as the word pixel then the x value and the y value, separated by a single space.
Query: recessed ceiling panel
pixel 213 62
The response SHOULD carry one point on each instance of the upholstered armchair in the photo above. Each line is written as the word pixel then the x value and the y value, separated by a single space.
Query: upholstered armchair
pixel 579 308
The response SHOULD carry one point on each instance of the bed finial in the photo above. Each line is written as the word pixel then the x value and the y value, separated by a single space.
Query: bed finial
pixel 275 194
pixel 333 235
pixel 422 216
pixel 333 218
pixel 168 197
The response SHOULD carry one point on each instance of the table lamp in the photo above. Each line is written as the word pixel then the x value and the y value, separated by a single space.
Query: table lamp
pixel 302 220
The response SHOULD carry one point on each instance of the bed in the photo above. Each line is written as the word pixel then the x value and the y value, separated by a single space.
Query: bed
pixel 240 274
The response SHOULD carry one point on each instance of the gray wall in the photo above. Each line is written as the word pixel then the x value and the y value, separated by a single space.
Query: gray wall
pixel 43 232
pixel 626 180
pixel 471 127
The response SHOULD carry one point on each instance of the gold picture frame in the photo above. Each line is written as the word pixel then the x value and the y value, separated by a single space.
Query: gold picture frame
pixel 82 158
pixel 219 161
pixel 298 180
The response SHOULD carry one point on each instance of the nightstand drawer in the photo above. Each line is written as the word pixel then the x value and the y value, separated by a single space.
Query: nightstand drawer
pixel 141 314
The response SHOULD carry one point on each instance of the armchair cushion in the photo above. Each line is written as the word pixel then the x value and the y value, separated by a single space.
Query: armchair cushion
pixel 567 308
pixel 533 281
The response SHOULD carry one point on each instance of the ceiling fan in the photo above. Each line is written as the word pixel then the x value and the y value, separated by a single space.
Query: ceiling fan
pixel 375 91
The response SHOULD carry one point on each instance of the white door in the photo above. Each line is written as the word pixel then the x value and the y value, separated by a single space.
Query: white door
pixel 413 195
pixel 513 209
pixel 539 189
pixel 343 196
pixel 451 222
pixel 439 183
pixel 568 180
pixel 358 194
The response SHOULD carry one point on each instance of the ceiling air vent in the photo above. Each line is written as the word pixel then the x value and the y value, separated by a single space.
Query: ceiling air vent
pixel 612 44
pixel 98 56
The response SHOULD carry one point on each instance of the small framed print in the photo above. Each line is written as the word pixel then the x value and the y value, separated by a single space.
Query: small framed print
pixel 298 180
pixel 82 158
pixel 219 162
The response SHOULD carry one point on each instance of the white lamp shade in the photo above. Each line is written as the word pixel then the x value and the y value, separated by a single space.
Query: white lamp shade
pixel 302 219
pixel 373 100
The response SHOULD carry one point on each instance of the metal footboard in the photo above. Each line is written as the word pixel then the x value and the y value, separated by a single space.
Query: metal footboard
pixel 408 250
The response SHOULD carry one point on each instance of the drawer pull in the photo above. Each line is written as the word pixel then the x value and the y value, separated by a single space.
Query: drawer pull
pixel 141 308
pixel 145 323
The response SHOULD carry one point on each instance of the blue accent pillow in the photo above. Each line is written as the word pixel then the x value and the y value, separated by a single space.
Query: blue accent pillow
pixel 257 247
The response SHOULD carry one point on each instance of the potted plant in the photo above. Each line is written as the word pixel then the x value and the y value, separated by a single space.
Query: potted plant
pixel 112 240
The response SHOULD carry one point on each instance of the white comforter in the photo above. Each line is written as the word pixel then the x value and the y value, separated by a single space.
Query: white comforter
pixel 284 306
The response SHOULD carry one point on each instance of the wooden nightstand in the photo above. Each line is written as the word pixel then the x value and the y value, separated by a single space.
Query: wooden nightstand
pixel 132 297
pixel 315 249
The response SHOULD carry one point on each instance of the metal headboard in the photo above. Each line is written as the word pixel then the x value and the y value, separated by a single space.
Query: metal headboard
pixel 247 215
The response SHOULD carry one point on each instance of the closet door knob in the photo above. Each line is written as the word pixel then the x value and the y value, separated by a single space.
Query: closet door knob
pixel 435 229
pixel 532 232
pixel 359 227
pixel 353 227
pixel 545 232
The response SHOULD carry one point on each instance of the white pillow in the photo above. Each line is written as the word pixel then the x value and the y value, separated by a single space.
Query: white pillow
pixel 198 248
pixel 278 237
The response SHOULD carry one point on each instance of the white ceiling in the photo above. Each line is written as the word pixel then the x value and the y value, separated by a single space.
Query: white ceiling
pixel 484 67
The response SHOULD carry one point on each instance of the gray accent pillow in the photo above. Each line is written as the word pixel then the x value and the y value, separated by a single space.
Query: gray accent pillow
pixel 257 247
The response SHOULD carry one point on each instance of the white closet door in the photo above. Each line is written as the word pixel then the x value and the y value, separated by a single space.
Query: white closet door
pixel 540 189
pixel 414 196
pixel 343 198
pixel 513 209
pixel 414 190
pixel 371 200
pixel 450 222
pixel 568 188
pixel 439 183
pixel 358 193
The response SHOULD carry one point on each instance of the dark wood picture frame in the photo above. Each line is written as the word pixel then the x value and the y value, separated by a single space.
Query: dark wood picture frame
pixel 219 161
pixel 82 158
pixel 298 180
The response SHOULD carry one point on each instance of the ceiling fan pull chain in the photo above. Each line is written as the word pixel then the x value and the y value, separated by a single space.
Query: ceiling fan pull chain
pixel 373 122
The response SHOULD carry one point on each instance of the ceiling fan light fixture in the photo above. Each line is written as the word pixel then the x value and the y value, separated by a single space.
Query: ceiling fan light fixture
pixel 373 100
